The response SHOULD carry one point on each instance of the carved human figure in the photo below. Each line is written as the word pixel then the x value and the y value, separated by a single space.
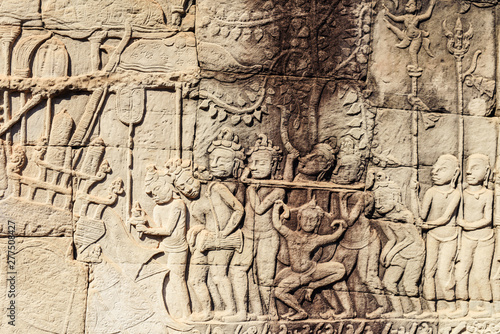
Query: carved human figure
pixel 477 241
pixel 168 222
pixel 182 174
pixel 177 8
pixel 438 216
pixel 316 164
pixel 216 236
pixel 412 36
pixel 261 240
pixel 404 253
pixel 304 271
pixel 350 164
pixel 359 249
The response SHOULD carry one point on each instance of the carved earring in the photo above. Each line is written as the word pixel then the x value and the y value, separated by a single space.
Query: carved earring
pixel 487 177
pixel 236 169
pixel 454 181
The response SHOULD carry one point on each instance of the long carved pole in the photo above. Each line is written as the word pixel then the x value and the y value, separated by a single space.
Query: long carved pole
pixel 9 34
pixel 178 120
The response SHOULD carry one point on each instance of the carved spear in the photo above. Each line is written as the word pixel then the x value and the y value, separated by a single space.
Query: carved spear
pixel 130 110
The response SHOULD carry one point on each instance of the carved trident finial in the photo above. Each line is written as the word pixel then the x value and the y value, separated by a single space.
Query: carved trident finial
pixel 458 42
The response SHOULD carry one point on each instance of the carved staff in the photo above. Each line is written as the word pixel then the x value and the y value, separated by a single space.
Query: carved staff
pixel 130 110
pixel 458 45
pixel 178 120
pixel 9 35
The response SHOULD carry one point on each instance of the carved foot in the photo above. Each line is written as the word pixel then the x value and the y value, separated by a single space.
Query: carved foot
pixel 330 315
pixel 298 316
pixel 220 315
pixel 201 316
pixel 390 315
pixel 308 295
pixel 404 43
pixel 238 317
pixel 288 314
pixel 375 314
pixel 412 314
pixel 427 314
pixel 458 313
pixel 481 314
pixel 264 317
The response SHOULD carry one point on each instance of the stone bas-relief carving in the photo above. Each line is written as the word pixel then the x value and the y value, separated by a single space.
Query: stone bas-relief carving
pixel 233 167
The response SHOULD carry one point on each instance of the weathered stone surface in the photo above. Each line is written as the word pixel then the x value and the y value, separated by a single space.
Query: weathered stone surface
pixel 50 287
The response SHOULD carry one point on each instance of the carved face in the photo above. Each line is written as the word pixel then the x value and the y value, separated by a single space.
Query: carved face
pixel 222 162
pixel 313 164
pixel 160 192
pixel 443 172
pixel 188 185
pixel 261 164
pixel 347 146
pixel 411 6
pixel 349 169
pixel 309 220
pixel 476 171
pixel 384 201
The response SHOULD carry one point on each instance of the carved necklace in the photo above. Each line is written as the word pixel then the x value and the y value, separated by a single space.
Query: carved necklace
pixel 476 194
pixel 445 193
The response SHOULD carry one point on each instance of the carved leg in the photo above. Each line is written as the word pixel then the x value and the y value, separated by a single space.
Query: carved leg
pixel 481 295
pixel 462 272
pixel 391 278
pixel 197 279
pixel 411 277
pixel 429 286
pixel 399 34
pixel 265 297
pixel 265 264
pixel 327 273
pixel 415 46
pixel 177 265
pixel 219 262
pixel 240 285
pixel 283 293
pixel 445 275
pixel 480 272
pixel 341 292
pixel 368 272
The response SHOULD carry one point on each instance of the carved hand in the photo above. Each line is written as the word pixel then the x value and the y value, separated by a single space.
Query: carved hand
pixel 141 228
pixel 192 233
pixel 245 174
pixel 278 205
pixel 414 184
pixel 339 224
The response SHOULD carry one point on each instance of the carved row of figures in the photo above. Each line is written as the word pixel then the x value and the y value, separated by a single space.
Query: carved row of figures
pixel 240 254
